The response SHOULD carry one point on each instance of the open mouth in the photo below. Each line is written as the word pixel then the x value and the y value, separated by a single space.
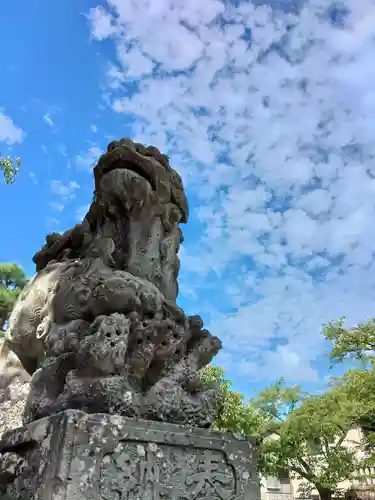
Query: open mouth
pixel 165 182
pixel 112 161
pixel 137 169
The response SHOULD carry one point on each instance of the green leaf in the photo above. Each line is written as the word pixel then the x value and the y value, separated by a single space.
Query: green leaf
pixel 10 168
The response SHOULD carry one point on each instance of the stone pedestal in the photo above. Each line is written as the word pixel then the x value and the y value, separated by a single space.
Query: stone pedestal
pixel 76 456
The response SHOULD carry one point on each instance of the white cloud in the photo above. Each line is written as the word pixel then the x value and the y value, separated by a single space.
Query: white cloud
pixel 54 223
pixel 33 177
pixel 316 202
pixel 274 139
pixel 9 132
pixel 285 362
pixel 94 128
pixel 59 207
pixel 115 78
pixel 62 150
pixel 63 193
pixel 82 211
pixel 64 190
pixel 87 159
pixel 101 22
pixel 47 118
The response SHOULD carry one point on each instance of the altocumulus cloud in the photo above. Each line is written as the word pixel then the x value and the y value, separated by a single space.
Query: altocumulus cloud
pixel 10 133
pixel 269 116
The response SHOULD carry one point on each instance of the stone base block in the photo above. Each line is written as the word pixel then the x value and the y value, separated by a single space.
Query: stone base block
pixel 76 456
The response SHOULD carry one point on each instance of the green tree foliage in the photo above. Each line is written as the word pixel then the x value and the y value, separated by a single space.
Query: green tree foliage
pixel 357 343
pixel 356 389
pixel 357 385
pixel 297 432
pixel 12 281
pixel 236 417
pixel 10 168
pixel 307 437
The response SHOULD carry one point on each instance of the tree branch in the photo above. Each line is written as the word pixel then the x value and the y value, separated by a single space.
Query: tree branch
pixel 306 474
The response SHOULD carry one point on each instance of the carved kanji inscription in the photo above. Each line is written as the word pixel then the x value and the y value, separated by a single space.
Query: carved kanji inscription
pixel 136 471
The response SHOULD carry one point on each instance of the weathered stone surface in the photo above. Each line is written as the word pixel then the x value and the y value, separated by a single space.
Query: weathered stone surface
pixel 132 223
pixel 73 455
pixel 14 389
pixel 12 404
pixel 98 327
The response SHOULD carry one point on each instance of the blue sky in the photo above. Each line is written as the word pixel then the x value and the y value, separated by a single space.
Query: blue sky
pixel 267 112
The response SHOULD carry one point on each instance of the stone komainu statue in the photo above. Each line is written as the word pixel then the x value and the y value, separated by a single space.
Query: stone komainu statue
pixel 98 327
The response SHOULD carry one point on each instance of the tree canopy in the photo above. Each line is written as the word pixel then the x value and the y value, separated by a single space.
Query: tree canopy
pixel 12 281
pixel 357 389
pixel 236 417
pixel 309 433
pixel 298 432
pixel 358 384
pixel 10 168
pixel 357 343
pixel 306 434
